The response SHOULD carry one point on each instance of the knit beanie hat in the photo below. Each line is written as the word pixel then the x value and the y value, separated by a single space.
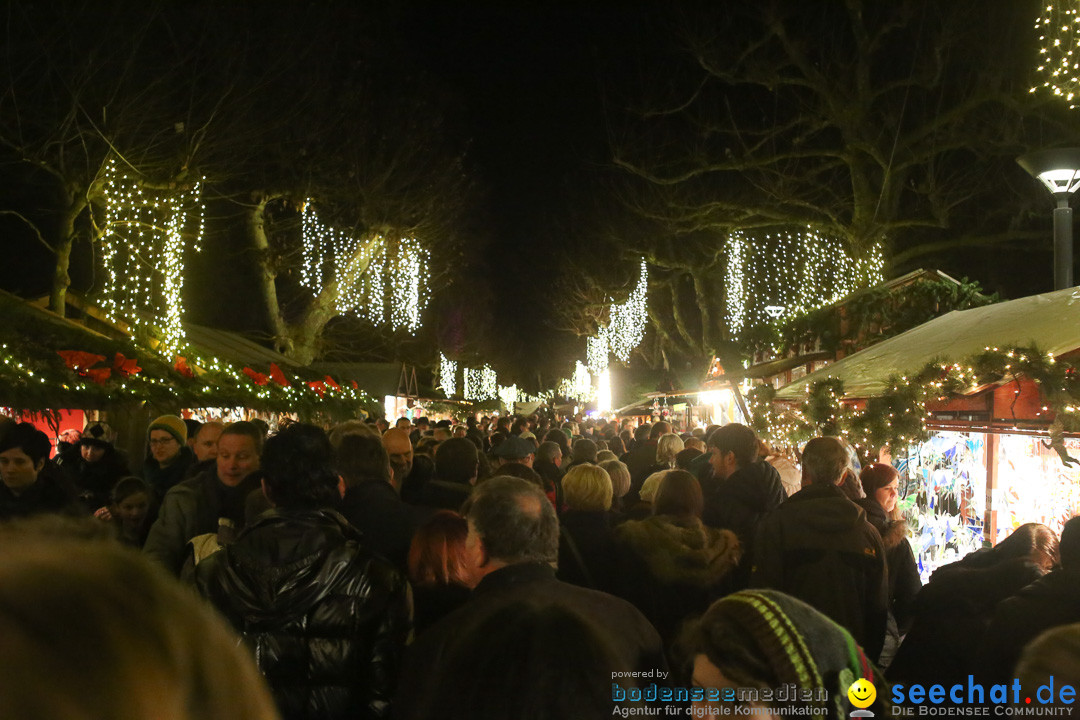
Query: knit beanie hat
pixel 799 645
pixel 98 433
pixel 172 425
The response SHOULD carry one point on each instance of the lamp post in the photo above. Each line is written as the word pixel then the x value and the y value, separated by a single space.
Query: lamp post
pixel 1059 170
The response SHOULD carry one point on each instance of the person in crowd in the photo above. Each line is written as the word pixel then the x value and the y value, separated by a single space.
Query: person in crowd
pixel 29 483
pixel 129 511
pixel 1048 602
pixel 954 609
pixel 617 446
pixel 193 427
pixel 584 452
pixel 1051 660
pixel 604 456
pixel 93 465
pixel 819 547
pixel 403 423
pixel 513 543
pixel 786 467
pixel 558 437
pixel 881 485
pixel 524 472
pixel 620 485
pixel 371 504
pixel 213 502
pixel 765 639
pixel 382 425
pixel 204 445
pixel 668 448
pixel 67 439
pixel 741 489
pixel 642 458
pixel 548 463
pixel 421 429
pixel 528 659
pixel 169 456
pixel 457 465
pixel 643 507
pixel 589 555
pixel 685 564
pixel 325 617
pixel 684 460
pixel 459 431
pixel 695 443
pixel 439 568
pixel 410 472
pixel 514 449
pixel 91 629
pixel 352 427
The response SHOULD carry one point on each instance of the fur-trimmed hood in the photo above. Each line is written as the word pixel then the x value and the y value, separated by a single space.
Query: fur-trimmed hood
pixel 682 550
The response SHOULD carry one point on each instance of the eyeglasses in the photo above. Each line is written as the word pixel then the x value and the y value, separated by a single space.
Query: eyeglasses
pixel 162 441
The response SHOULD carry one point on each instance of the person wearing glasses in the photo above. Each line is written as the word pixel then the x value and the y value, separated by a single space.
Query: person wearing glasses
pixel 168 457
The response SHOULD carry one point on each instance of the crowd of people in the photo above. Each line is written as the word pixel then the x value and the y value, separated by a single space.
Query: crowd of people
pixel 515 567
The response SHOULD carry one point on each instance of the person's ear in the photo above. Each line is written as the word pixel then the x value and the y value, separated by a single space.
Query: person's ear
pixel 40 465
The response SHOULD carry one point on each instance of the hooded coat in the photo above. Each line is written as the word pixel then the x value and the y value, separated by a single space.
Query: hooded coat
pixel 326 619
pixel 682 567
pixel 819 547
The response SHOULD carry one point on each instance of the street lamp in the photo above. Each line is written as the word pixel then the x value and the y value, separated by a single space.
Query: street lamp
pixel 1060 171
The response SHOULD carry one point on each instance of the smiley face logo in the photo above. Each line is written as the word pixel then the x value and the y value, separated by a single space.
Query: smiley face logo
pixel 862 693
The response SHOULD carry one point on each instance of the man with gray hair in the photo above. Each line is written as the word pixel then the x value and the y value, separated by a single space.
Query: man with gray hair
pixel 819 547
pixel 513 546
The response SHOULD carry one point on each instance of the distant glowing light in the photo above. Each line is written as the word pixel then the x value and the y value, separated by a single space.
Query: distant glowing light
pixel 447 375
pixel 603 392
pixel 626 329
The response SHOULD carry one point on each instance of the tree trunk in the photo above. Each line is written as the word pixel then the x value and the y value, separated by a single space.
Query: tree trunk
pixel 268 276
pixel 66 239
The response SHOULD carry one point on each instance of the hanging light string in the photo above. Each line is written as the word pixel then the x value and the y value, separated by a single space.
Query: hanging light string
pixel 1059 49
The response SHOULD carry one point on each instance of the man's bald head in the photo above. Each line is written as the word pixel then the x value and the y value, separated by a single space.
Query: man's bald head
pixel 399 448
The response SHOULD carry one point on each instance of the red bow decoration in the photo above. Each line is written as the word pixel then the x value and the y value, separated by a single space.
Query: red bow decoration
pixel 331 383
pixel 80 361
pixel 99 375
pixel 355 386
pixel 181 367
pixel 277 376
pixel 125 366
pixel 256 377
pixel 318 386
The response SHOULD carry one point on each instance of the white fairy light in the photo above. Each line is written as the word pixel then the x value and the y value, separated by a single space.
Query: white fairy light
pixel 603 392
pixel 1059 49
pixel 145 236
pixel 626 329
pixel 447 375
pixel 509 396
pixel 480 384
pixel 380 281
pixel 785 274
pixel 596 352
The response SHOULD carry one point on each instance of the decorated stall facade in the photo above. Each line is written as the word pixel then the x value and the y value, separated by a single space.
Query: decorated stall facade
pixel 979 408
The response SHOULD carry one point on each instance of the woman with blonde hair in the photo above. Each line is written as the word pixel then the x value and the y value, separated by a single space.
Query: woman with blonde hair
pixel 588 553
pixel 667 448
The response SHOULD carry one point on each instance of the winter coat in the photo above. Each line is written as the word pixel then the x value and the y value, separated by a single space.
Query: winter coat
pixel 1048 602
pixel 93 481
pixel 634 641
pixel 194 507
pixel 739 502
pixel 819 547
pixel 638 461
pixel 325 618
pixel 684 566
pixel 431 603
pixel 589 555
pixel 387 524
pixel 162 479
pixel 952 613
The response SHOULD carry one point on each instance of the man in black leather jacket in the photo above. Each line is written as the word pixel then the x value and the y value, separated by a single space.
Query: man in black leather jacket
pixel 325 617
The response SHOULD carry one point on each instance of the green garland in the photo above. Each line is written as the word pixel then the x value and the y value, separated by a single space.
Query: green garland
pixel 898 416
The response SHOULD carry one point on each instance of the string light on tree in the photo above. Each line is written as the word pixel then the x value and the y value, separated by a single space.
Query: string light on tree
pixel 508 396
pixel 1059 49
pixel 143 243
pixel 447 375
pixel 626 329
pixel 778 275
pixel 580 386
pixel 381 281
pixel 596 352
pixel 480 384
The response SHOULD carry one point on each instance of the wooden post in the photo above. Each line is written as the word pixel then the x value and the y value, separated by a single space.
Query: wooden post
pixel 990 521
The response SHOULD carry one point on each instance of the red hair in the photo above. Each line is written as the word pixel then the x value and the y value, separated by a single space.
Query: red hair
pixel 437 554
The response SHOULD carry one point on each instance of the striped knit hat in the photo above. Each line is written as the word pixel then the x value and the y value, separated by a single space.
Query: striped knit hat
pixel 798 645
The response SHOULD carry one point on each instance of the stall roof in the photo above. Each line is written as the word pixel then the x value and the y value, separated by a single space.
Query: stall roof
pixel 233 347
pixel 1050 321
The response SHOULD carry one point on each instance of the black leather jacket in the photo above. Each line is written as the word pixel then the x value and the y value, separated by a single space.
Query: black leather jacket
pixel 326 619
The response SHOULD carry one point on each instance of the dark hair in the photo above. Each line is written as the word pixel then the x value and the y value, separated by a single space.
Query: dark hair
pixel 876 476
pixel 298 468
pixel 362 458
pixel 437 553
pixel 515 520
pixel 519 426
pixel 658 429
pixel 514 651
pixel 193 426
pixel 643 432
pixel 679 494
pixel 585 450
pixel 615 444
pixel 1069 547
pixel 516 469
pixel 128 486
pixel 685 457
pixel 456 461
pixel 548 450
pixel 738 439
pixel 246 429
pixel 559 438
pixel 825 460
pixel 27 438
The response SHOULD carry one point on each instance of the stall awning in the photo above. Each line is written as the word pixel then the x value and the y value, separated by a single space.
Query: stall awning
pixel 1050 321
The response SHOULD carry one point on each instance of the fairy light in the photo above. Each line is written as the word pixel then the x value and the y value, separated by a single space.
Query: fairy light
pixel 447 375
pixel 626 329
pixel 596 352
pixel 381 281
pixel 785 274
pixel 480 384
pixel 603 392
pixel 1059 50
pixel 508 395
pixel 142 249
